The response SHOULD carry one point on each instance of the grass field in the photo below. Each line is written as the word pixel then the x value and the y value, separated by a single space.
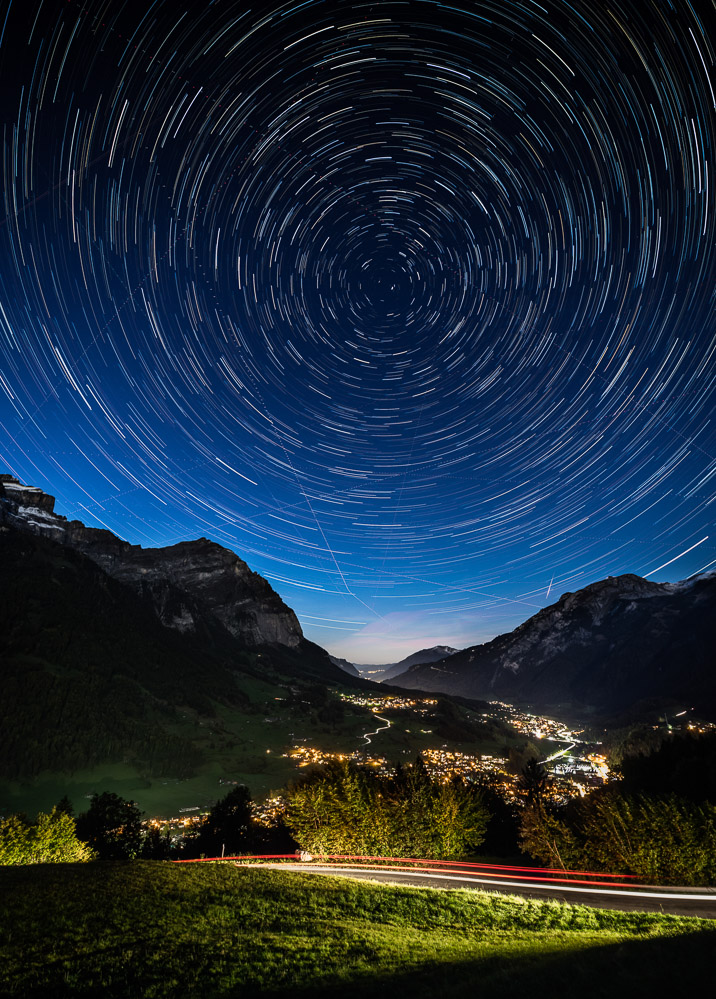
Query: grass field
pixel 152 929
pixel 235 745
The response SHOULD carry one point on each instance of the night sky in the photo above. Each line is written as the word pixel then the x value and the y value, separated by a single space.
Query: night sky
pixel 409 304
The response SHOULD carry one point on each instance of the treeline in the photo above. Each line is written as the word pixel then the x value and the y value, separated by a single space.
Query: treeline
pixel 113 828
pixel 340 809
pixel 661 839
pixel 70 722
pixel 658 822
pixel 346 809
pixel 89 673
pixel 337 809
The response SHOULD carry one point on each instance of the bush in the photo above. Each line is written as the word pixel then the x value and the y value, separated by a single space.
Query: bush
pixel 52 839
pixel 343 809
pixel 663 839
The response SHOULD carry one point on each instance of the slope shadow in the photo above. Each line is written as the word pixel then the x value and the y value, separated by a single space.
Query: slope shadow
pixel 638 967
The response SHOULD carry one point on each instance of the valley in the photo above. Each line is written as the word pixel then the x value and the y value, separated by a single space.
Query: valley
pixel 215 686
pixel 289 730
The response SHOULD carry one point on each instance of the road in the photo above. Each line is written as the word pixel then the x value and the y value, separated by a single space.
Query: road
pixel 678 902
pixel 560 752
pixel 367 735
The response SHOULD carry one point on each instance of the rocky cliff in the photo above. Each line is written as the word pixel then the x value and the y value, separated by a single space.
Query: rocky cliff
pixel 616 644
pixel 185 582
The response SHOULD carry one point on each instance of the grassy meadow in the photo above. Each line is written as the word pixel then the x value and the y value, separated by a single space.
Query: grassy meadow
pixel 246 747
pixel 154 929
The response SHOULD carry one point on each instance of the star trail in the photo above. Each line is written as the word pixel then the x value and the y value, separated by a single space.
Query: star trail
pixel 409 304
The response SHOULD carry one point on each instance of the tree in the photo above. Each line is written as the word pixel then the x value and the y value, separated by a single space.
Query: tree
pixel 662 839
pixel 503 826
pixel 112 826
pixel 344 809
pixel 14 840
pixel 459 820
pixel 157 845
pixel 533 781
pixel 227 829
pixel 328 811
pixel 547 838
pixel 52 839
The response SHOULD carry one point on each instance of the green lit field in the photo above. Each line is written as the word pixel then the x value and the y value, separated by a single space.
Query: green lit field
pixel 245 747
pixel 153 929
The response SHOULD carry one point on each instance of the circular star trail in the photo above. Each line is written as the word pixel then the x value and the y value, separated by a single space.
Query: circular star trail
pixel 409 304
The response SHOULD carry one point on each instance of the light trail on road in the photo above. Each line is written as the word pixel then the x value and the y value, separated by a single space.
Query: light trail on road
pixel 562 886
pixel 557 755
pixel 367 735
pixel 700 902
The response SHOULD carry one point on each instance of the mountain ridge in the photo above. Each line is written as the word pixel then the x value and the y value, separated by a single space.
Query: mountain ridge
pixel 114 654
pixel 605 648
pixel 381 673
pixel 184 581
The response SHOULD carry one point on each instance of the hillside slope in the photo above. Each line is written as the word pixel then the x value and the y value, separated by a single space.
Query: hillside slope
pixel 125 655
pixel 222 932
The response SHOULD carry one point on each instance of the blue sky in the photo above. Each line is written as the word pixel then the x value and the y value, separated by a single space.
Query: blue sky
pixel 411 307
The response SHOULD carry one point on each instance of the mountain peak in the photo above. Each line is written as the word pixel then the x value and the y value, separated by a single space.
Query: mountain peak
pixel 30 499
pixel 606 647
pixel 184 581
pixel 389 670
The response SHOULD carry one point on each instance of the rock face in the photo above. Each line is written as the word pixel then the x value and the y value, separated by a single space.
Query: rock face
pixel 185 582
pixel 28 499
pixel 607 648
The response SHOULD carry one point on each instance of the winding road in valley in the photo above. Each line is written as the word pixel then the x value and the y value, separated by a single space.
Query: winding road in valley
pixel 367 735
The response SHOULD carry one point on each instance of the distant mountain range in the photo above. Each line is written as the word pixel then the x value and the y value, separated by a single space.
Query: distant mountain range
pixel 390 670
pixel 108 648
pixel 345 665
pixel 618 646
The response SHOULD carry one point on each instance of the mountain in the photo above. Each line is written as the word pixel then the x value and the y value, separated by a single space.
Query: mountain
pixel 615 646
pixel 187 583
pixel 152 658
pixel 390 670
pixel 346 666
